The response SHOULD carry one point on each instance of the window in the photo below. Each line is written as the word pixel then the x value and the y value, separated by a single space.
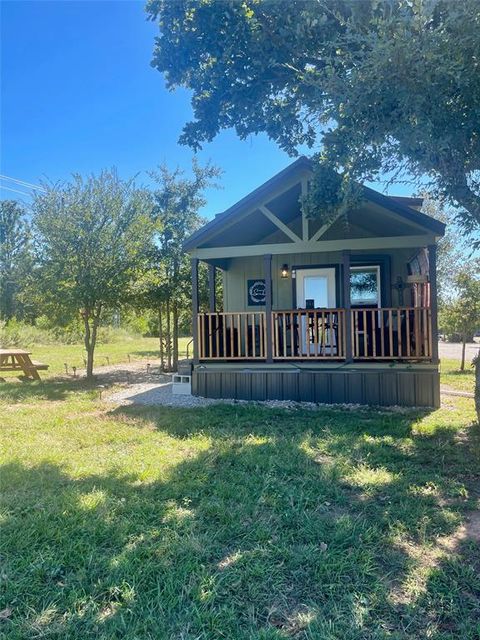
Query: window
pixel 365 286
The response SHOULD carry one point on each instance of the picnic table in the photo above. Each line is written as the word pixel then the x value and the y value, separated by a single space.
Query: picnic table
pixel 19 360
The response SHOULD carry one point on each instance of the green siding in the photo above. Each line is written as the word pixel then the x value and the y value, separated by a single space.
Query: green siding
pixel 242 269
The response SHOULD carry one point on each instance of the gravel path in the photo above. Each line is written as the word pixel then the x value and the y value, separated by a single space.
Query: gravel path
pixel 142 386
pixel 157 394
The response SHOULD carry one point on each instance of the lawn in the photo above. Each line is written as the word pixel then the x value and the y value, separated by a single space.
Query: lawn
pixel 236 522
pixel 57 355
pixel 451 375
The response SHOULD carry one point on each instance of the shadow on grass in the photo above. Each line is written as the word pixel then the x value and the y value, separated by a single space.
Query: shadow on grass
pixel 287 525
pixel 468 371
pixel 61 388
pixel 49 389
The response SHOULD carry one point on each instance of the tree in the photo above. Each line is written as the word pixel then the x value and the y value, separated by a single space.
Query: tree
pixel 167 285
pixel 90 235
pixel 381 85
pixel 451 252
pixel 476 364
pixel 14 255
pixel 462 316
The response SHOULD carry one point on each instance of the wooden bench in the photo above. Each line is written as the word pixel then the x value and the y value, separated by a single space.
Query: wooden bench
pixel 19 360
pixel 40 366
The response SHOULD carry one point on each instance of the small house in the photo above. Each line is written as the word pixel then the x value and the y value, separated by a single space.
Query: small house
pixel 329 313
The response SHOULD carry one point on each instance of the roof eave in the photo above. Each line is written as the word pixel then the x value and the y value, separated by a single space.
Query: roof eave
pixel 301 163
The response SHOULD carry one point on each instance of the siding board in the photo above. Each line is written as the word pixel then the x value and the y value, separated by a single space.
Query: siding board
pixel 290 386
pixel 355 391
pixel 371 388
pixel 322 388
pixel 274 386
pixel 382 387
pixel 244 386
pixel 388 389
pixel 259 386
pixel 229 388
pixel 338 391
pixel 306 389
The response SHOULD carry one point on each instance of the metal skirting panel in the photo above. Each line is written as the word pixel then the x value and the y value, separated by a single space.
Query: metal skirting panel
pixel 407 388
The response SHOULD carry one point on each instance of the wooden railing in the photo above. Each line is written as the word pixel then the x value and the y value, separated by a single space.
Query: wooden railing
pixel 232 336
pixel 394 333
pixel 309 334
pixel 317 334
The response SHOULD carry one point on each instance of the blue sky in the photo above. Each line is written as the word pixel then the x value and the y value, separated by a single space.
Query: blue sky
pixel 78 95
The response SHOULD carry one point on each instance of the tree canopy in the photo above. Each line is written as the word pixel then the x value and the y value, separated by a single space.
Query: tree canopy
pixel 376 86
pixel 166 284
pixel 462 314
pixel 90 239
pixel 14 256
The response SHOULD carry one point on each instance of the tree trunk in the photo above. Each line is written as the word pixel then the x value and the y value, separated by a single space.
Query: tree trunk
pixel 169 337
pixel 160 337
pixel 88 344
pixel 90 339
pixel 464 341
pixel 476 364
pixel 175 335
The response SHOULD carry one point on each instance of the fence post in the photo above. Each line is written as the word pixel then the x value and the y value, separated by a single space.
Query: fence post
pixel 267 266
pixel 432 276
pixel 347 305
pixel 195 309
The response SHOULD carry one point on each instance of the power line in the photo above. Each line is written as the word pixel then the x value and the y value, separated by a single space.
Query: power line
pixel 24 193
pixel 22 182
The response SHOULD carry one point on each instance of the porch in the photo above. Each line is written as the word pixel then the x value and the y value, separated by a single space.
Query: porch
pixel 343 310
pixel 374 334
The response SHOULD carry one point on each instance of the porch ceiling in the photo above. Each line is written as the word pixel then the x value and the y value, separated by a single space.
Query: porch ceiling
pixel 270 220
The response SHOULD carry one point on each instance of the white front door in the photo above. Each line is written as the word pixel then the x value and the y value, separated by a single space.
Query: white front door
pixel 317 285
pixel 315 289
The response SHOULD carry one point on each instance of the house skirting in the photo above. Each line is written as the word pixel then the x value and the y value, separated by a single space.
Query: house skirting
pixel 398 385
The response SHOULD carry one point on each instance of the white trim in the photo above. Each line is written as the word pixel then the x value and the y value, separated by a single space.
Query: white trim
pixel 305 220
pixel 323 229
pixel 279 224
pixel 389 242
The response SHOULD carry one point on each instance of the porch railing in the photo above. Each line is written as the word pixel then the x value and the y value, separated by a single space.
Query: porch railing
pixel 232 336
pixel 392 333
pixel 309 334
pixel 318 334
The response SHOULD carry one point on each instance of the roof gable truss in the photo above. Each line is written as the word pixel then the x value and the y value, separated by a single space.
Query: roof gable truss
pixel 262 201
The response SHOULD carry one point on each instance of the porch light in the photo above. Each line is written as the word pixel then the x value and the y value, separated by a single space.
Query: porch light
pixel 284 271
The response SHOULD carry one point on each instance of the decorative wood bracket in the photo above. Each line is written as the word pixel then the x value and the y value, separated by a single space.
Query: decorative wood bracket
pixel 278 223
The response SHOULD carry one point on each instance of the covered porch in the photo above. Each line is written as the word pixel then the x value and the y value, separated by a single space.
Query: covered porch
pixel 338 301
pixel 365 327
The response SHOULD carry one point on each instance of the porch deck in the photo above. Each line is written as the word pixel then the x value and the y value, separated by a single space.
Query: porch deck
pixel 374 334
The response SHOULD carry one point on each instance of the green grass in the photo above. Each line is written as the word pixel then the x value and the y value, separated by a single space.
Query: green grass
pixel 57 355
pixel 451 375
pixel 234 522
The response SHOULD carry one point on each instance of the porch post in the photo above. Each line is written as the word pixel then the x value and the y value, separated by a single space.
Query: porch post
pixel 432 276
pixel 267 267
pixel 195 335
pixel 211 288
pixel 346 305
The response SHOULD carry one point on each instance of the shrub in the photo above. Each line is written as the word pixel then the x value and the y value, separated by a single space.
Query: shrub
pixel 20 334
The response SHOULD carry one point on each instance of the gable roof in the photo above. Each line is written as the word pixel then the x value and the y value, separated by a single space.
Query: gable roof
pixel 302 166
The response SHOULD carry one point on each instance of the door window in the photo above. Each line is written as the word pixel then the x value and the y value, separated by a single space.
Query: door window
pixel 316 288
